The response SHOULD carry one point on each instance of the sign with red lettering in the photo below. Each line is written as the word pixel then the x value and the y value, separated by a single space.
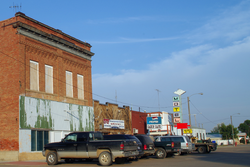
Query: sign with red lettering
pixel 182 126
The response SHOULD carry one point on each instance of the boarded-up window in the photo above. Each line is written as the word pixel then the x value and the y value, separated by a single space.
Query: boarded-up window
pixel 69 84
pixel 34 76
pixel 48 79
pixel 80 86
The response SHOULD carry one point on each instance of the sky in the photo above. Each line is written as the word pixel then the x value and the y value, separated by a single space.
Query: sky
pixel 145 50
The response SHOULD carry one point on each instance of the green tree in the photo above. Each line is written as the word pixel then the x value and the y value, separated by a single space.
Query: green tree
pixel 245 127
pixel 226 131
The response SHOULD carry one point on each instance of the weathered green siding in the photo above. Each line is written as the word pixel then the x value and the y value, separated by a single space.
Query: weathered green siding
pixel 47 114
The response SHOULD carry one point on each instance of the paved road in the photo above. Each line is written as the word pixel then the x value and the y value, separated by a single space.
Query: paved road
pixel 226 156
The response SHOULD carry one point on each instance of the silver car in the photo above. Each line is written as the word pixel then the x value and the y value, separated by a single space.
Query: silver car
pixel 186 144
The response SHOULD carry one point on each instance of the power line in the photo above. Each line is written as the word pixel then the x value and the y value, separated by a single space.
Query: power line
pixel 86 91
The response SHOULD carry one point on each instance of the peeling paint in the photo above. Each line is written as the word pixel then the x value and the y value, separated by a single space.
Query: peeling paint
pixel 47 114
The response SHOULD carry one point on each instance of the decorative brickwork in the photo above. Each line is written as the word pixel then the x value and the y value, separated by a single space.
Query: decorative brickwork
pixel 23 39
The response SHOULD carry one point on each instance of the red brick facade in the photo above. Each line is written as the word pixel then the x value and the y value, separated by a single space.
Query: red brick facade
pixel 16 51
pixel 139 121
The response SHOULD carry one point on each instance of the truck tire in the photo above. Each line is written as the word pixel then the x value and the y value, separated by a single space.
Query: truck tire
pixel 105 158
pixel 51 158
pixel 208 150
pixel 202 149
pixel 160 153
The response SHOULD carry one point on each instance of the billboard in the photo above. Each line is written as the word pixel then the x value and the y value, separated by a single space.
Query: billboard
pixel 153 122
pixel 113 124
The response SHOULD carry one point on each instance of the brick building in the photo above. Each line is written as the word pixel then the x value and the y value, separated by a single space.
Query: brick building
pixel 45 87
pixel 139 122
pixel 111 119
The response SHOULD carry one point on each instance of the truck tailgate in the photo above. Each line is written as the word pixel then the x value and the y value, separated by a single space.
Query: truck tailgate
pixel 130 145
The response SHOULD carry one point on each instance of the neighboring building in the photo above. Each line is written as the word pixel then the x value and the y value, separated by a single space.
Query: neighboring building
pixel 197 132
pixel 139 122
pixel 111 119
pixel 163 121
pixel 214 136
pixel 45 87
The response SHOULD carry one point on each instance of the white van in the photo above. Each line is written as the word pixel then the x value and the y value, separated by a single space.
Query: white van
pixel 186 144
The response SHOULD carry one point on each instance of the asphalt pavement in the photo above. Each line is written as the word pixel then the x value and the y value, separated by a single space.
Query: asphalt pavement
pixel 42 163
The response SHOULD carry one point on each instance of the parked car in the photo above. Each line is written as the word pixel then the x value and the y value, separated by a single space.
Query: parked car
pixel 186 144
pixel 89 145
pixel 147 145
pixel 126 138
pixel 165 147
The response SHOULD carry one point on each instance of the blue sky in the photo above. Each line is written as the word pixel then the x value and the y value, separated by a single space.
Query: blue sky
pixel 140 46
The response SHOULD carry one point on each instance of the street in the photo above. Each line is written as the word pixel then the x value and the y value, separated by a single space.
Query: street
pixel 224 156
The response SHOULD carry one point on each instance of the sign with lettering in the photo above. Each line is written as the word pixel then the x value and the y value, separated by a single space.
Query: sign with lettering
pixel 182 126
pixel 177 120
pixel 176 98
pixel 177 114
pixel 176 104
pixel 153 122
pixel 151 126
pixel 113 124
pixel 187 131
pixel 176 109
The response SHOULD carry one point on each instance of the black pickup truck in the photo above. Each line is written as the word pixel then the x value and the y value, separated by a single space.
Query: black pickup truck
pixel 88 145
pixel 166 148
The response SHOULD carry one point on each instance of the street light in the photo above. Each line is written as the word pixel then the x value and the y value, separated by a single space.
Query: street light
pixel 189 107
pixel 231 116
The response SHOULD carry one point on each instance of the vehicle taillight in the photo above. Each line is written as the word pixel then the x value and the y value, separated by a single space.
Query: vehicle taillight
pixel 145 147
pixel 172 144
pixel 121 146
pixel 187 144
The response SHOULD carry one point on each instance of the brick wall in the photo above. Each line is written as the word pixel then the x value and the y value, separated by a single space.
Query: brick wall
pixel 16 51
pixel 112 111
pixel 139 121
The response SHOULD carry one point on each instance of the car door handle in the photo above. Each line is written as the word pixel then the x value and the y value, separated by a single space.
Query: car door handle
pixel 75 144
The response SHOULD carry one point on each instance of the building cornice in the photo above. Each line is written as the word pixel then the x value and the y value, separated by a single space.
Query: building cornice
pixel 51 40
pixel 20 14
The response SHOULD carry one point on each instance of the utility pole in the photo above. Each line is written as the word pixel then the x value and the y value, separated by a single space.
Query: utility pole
pixel 232 128
pixel 195 120
pixel 189 115
pixel 158 99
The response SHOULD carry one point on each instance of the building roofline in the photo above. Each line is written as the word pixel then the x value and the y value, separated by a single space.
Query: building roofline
pixel 20 14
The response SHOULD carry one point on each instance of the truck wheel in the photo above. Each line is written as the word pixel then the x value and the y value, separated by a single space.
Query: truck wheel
pixel 160 153
pixel 209 150
pixel 120 160
pixel 105 158
pixel 201 150
pixel 51 158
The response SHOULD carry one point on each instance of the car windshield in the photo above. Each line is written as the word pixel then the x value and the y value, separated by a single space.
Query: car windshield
pixel 145 138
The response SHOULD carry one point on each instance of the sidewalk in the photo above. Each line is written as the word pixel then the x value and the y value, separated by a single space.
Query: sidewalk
pixel 37 163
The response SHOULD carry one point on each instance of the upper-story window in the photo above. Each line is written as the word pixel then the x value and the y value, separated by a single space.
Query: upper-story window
pixel 80 86
pixel 69 84
pixel 34 75
pixel 48 79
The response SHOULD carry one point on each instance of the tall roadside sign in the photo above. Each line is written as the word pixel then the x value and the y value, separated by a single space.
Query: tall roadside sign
pixel 179 92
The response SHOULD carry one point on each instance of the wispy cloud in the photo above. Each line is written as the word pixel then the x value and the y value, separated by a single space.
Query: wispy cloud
pixel 122 20
pixel 134 40
pixel 230 25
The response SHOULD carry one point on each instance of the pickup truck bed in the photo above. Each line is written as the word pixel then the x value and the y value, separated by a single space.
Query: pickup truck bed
pixel 88 145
